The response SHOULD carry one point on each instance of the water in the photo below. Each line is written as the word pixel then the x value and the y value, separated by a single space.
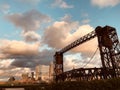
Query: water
pixel 14 89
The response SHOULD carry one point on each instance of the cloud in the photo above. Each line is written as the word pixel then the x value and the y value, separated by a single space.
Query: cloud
pixel 77 61
pixel 86 21
pixel 61 32
pixel 31 36
pixel 5 64
pixel 43 58
pixel 61 4
pixel 10 48
pixel 23 54
pixel 4 8
pixel 29 22
pixel 16 72
pixel 105 3
pixel 67 32
pixel 66 18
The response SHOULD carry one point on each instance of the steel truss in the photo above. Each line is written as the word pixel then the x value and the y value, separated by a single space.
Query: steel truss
pixel 109 48
pixel 85 74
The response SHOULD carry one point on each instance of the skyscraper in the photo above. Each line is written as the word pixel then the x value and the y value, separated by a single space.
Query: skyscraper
pixel 51 71
pixel 38 72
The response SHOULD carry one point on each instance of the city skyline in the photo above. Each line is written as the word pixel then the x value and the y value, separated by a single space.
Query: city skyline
pixel 31 31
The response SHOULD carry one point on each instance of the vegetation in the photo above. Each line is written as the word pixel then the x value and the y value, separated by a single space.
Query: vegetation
pixel 111 84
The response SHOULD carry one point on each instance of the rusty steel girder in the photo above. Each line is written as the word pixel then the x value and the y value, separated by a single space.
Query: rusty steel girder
pixel 85 74
pixel 81 40
pixel 109 48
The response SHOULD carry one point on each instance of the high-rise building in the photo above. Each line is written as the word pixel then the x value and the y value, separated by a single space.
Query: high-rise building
pixel 38 72
pixel 25 76
pixel 51 72
pixel 32 76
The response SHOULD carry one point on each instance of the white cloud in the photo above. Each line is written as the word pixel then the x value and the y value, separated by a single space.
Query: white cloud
pixel 24 54
pixel 61 4
pixel 61 31
pixel 63 34
pixel 76 61
pixel 5 63
pixel 4 8
pixel 105 3
pixel 10 48
pixel 81 31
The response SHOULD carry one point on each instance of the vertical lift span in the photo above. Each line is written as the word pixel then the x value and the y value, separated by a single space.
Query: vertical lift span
pixel 108 46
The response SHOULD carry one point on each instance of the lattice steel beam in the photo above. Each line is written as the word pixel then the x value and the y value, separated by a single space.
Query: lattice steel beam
pixel 109 47
pixel 78 42
pixel 85 74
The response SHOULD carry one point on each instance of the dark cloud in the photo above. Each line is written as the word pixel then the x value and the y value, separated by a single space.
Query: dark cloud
pixel 31 36
pixel 29 22
pixel 43 58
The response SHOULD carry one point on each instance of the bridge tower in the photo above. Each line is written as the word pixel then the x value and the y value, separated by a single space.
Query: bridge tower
pixel 58 64
pixel 109 48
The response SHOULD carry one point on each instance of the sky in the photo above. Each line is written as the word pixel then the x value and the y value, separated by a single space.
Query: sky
pixel 31 31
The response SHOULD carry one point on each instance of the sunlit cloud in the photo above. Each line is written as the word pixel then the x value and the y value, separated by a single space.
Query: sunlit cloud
pixel 62 33
pixel 9 48
pixel 105 3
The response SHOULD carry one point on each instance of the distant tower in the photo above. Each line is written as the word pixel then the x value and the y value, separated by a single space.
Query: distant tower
pixel 51 71
pixel 32 75
pixel 38 72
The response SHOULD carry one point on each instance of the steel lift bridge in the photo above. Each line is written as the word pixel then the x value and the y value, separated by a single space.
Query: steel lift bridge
pixel 109 48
